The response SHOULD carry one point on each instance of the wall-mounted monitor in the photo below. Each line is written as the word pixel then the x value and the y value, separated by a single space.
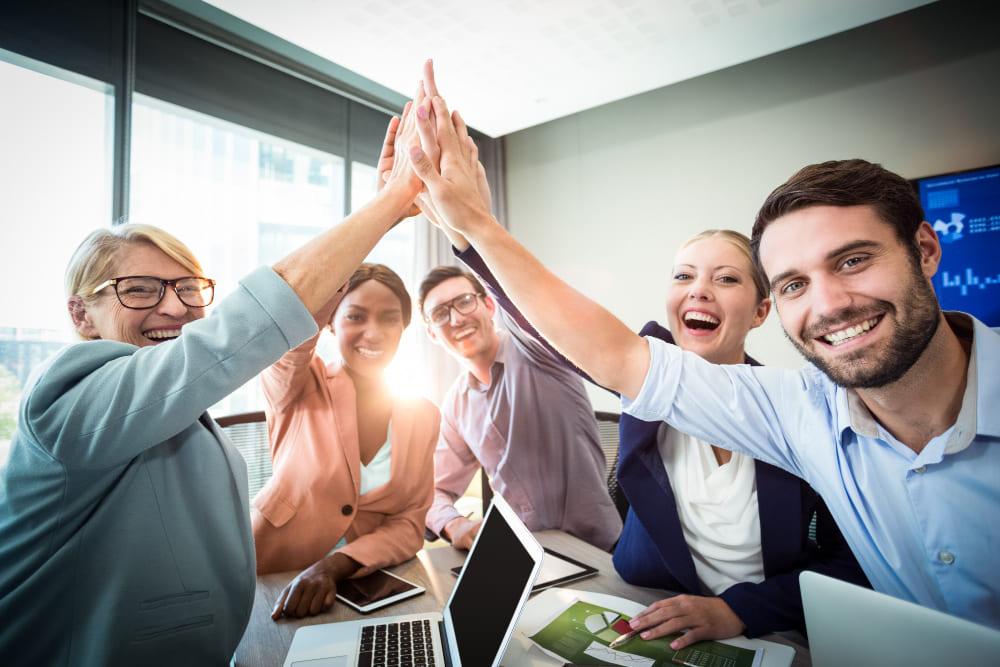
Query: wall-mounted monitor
pixel 964 209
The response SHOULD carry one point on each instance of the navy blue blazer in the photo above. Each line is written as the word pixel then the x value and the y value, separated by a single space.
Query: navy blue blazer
pixel 652 551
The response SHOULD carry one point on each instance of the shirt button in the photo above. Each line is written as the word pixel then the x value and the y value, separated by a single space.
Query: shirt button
pixel 346 510
pixel 921 470
pixel 946 557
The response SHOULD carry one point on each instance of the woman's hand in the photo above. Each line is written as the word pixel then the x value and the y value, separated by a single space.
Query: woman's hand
pixel 703 617
pixel 315 589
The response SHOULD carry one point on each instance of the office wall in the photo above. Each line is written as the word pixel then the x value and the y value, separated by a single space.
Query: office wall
pixel 606 196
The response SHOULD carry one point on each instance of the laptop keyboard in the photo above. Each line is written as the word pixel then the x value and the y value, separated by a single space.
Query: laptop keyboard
pixel 403 644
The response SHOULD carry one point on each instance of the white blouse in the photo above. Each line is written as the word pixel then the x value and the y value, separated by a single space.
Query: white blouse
pixel 374 475
pixel 717 506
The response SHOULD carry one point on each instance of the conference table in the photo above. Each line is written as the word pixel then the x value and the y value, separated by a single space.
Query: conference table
pixel 266 642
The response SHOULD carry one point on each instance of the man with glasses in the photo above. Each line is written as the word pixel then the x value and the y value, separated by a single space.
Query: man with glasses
pixel 518 413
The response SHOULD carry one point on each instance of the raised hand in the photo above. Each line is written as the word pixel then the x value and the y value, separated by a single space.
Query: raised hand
pixel 703 617
pixel 453 180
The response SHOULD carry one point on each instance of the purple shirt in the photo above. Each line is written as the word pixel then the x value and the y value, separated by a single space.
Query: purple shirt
pixel 534 432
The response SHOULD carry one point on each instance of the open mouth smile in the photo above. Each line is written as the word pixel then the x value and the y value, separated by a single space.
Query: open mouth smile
pixel 850 333
pixel 162 334
pixel 698 320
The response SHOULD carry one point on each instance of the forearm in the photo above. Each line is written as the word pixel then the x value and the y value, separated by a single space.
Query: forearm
pixel 317 270
pixel 578 327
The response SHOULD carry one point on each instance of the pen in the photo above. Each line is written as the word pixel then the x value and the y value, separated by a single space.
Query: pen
pixel 623 638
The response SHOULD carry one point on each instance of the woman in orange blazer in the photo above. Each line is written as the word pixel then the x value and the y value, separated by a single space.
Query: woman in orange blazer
pixel 353 464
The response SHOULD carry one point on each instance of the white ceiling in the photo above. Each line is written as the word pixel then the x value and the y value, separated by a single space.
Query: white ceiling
pixel 510 64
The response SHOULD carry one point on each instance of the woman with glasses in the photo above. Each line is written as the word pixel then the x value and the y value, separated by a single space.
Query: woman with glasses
pixel 353 464
pixel 124 513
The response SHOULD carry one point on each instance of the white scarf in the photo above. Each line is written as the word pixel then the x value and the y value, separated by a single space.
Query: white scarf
pixel 717 506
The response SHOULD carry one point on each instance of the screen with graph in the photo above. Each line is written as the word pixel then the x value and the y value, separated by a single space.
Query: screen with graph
pixel 964 208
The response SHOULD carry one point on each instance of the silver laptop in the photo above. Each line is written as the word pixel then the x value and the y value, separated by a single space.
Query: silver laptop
pixel 475 626
pixel 851 625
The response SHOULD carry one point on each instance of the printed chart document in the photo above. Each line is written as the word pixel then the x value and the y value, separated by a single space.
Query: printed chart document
pixel 567 626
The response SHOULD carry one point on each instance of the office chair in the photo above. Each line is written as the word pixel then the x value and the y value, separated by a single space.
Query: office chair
pixel 248 431
pixel 607 424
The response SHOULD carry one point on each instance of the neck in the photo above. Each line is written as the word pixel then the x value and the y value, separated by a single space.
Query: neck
pixel 925 402
pixel 480 365
pixel 367 386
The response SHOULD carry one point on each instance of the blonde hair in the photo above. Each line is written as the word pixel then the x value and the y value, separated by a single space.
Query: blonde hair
pixel 743 244
pixel 95 258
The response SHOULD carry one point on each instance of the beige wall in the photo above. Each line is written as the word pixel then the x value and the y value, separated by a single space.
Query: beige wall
pixel 605 197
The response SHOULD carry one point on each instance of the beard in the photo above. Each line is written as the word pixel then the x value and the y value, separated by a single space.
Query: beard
pixel 917 319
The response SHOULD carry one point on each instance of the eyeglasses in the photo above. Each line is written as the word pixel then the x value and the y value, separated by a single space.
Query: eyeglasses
pixel 141 292
pixel 463 303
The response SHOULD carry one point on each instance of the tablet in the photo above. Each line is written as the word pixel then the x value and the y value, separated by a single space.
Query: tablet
pixel 376 590
pixel 557 570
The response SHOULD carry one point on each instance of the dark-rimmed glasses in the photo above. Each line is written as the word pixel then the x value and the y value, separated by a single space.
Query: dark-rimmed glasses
pixel 463 303
pixel 142 292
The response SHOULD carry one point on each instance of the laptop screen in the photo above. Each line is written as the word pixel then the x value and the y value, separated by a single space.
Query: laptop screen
pixel 486 598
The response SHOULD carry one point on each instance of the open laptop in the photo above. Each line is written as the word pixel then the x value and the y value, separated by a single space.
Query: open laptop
pixel 476 624
pixel 851 625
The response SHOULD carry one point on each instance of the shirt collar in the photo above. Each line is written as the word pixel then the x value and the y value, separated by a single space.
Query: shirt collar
pixel 973 416
pixel 470 381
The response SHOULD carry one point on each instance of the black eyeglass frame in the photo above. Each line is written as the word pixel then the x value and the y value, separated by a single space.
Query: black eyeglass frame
pixel 449 304
pixel 113 282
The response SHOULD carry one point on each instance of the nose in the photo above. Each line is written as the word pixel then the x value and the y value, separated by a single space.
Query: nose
pixel 171 304
pixel 454 317
pixel 700 289
pixel 828 296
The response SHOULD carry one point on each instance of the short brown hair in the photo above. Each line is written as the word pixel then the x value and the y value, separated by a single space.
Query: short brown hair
pixel 845 183
pixel 438 275
pixel 383 274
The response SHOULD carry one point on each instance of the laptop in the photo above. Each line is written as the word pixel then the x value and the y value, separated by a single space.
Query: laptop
pixel 851 625
pixel 475 626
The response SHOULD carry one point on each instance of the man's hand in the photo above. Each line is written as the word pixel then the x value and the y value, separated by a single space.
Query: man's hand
pixel 462 532
pixel 703 617
pixel 454 183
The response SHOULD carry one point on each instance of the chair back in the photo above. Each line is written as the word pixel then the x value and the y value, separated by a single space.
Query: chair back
pixel 248 431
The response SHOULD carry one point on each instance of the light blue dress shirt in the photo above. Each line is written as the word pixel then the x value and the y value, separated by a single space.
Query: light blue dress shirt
pixel 924 527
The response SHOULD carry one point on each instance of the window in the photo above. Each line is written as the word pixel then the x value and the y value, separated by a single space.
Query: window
pixel 56 131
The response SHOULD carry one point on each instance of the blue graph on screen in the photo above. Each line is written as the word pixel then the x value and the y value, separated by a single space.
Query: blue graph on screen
pixel 964 209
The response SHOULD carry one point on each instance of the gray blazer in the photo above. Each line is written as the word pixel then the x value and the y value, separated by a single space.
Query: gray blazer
pixel 124 518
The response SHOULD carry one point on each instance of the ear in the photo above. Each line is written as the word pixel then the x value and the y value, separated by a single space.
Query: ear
pixel 491 305
pixel 81 318
pixel 432 334
pixel 763 308
pixel 930 249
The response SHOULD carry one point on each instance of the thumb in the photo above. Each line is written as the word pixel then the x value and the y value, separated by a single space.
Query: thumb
pixel 422 165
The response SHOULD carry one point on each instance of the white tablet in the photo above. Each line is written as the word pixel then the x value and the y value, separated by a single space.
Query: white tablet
pixel 376 590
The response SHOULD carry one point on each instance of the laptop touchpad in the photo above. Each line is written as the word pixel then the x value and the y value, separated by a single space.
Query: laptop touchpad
pixel 339 661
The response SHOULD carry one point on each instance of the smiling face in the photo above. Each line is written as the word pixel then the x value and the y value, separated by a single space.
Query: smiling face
pixel 104 317
pixel 471 336
pixel 368 325
pixel 851 297
pixel 712 302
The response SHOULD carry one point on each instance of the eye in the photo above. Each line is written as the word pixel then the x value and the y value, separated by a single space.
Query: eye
pixel 792 287
pixel 853 262
pixel 354 317
pixel 731 280
pixel 680 275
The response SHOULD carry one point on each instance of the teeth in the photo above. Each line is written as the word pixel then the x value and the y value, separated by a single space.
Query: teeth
pixel 701 317
pixel 370 354
pixel 464 333
pixel 162 334
pixel 844 335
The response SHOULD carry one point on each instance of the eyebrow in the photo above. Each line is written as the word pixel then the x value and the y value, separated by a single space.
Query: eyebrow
pixel 846 248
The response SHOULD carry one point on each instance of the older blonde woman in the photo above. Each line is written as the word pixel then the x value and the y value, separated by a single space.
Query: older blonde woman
pixel 123 508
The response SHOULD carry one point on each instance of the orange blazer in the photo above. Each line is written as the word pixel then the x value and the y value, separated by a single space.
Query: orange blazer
pixel 313 499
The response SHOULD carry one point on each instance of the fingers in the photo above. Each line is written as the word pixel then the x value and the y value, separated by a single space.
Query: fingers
pixel 429 85
pixel 279 606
